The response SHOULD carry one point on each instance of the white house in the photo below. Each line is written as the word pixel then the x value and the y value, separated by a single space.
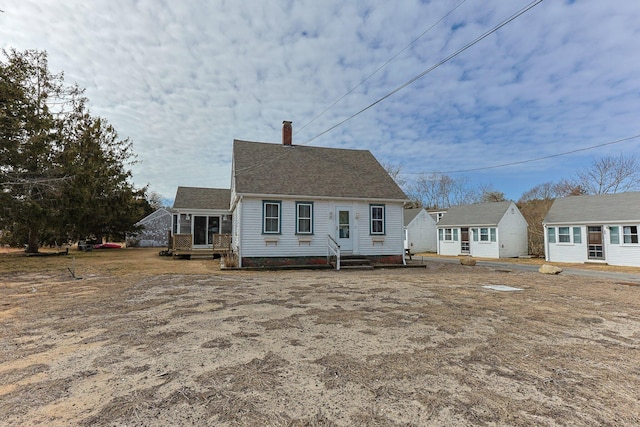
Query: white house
pixel 487 230
pixel 601 229
pixel 289 202
pixel 200 213
pixel 420 231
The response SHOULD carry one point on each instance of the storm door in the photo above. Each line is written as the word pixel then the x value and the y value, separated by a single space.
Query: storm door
pixel 464 240
pixel 595 245
pixel 344 228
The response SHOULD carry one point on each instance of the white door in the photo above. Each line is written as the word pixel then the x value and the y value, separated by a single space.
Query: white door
pixel 344 231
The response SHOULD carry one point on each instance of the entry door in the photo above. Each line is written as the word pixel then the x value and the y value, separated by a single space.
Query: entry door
pixel 344 230
pixel 464 240
pixel 595 246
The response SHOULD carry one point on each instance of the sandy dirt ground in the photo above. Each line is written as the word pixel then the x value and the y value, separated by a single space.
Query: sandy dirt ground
pixel 143 340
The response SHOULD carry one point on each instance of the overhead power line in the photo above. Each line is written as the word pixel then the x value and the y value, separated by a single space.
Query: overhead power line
pixel 529 160
pixel 381 66
pixel 433 67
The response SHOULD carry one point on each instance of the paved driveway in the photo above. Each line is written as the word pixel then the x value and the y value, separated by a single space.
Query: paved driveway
pixel 514 265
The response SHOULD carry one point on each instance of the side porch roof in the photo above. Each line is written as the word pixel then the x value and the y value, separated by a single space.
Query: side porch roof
pixel 202 198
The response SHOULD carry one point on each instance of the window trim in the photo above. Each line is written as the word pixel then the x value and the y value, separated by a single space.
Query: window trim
pixel 381 220
pixel 310 218
pixel 264 216
pixel 577 235
pixel 630 235
pixel 448 234
pixel 614 235
pixel 564 234
pixel 572 235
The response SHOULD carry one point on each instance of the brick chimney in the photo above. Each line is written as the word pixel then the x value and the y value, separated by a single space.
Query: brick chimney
pixel 286 133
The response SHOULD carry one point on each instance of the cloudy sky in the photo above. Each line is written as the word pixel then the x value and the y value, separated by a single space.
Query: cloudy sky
pixel 182 79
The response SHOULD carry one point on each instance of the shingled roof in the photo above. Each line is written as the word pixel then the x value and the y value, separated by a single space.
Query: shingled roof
pixel 600 208
pixel 410 214
pixel 202 198
pixel 297 170
pixel 487 214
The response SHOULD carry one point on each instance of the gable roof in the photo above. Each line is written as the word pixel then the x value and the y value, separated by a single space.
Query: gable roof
pixel 299 170
pixel 475 215
pixel 410 214
pixel 598 208
pixel 158 213
pixel 202 198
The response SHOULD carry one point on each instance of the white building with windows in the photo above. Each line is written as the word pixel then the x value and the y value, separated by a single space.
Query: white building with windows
pixel 201 213
pixel 289 201
pixel 486 230
pixel 597 229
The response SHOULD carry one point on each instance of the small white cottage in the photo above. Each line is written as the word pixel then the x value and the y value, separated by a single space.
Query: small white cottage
pixel 600 229
pixel 419 231
pixel 487 230
pixel 291 203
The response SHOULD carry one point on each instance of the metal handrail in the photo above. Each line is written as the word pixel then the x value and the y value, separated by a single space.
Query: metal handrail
pixel 333 247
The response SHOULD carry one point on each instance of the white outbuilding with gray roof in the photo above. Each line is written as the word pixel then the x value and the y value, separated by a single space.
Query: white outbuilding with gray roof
pixel 486 230
pixel 601 228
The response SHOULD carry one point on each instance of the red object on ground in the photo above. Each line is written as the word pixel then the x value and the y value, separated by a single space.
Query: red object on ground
pixel 107 246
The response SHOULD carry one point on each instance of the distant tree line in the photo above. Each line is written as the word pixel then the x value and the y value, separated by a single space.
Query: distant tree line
pixel 64 173
pixel 609 174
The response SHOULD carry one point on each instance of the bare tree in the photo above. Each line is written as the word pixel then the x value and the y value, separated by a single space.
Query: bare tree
pixel 395 172
pixel 489 194
pixel 440 191
pixel 546 191
pixel 611 175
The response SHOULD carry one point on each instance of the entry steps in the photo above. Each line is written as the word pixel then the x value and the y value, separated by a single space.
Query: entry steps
pixel 353 262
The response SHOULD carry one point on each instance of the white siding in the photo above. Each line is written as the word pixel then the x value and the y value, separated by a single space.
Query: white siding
pixel 623 255
pixel 567 252
pixel 422 233
pixel 614 254
pixel 512 234
pixel 484 249
pixel 448 247
pixel 391 243
pixel 511 238
pixel 287 244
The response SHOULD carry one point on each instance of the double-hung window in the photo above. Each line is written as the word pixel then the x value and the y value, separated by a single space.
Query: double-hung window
pixel 577 235
pixel 271 217
pixel 484 234
pixel 377 219
pixel 564 235
pixel 630 233
pixel 448 234
pixel 304 218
